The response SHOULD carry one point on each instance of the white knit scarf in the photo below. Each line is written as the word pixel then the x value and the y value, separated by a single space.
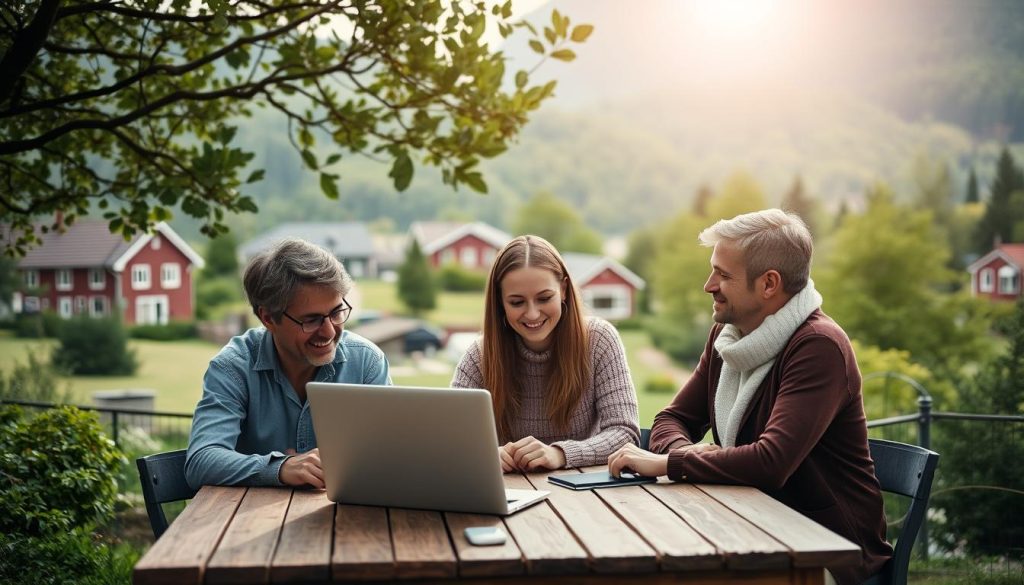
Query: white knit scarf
pixel 747 360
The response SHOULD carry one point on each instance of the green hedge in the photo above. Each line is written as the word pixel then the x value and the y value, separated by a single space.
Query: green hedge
pixel 454 278
pixel 173 331
pixel 93 346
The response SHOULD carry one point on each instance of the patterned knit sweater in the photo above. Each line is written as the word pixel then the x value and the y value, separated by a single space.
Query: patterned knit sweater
pixel 606 417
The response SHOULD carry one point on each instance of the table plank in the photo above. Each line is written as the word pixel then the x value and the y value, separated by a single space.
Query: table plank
pixel 304 553
pixel 245 551
pixel 811 544
pixel 362 544
pixel 547 544
pixel 422 548
pixel 483 561
pixel 180 554
pixel 741 542
pixel 613 545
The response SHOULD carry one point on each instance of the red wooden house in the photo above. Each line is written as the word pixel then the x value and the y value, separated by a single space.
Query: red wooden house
pixel 85 269
pixel 470 245
pixel 608 288
pixel 997 275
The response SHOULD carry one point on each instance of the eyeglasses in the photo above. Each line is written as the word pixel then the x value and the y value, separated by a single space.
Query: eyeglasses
pixel 337 316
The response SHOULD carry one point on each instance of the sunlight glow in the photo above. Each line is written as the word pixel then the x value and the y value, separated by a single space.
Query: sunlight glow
pixel 735 19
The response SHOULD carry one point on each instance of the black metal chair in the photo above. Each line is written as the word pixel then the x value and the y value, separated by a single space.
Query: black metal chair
pixel 163 480
pixel 645 438
pixel 906 470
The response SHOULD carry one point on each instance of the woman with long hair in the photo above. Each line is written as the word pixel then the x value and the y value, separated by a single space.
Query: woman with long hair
pixel 559 382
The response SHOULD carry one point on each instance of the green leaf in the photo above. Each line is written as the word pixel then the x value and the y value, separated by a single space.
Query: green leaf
pixel 333 159
pixel 329 185
pixel 401 171
pixel 506 9
pixel 256 175
pixel 549 34
pixel 564 55
pixel 522 78
pixel 310 159
pixel 536 46
pixel 476 182
pixel 581 32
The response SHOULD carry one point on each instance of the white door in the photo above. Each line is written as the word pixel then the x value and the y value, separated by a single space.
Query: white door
pixel 151 310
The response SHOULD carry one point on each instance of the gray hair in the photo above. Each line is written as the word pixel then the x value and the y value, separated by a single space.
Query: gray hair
pixel 273 276
pixel 770 239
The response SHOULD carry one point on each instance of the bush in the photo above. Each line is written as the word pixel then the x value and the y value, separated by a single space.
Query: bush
pixel 34 381
pixel 72 558
pixel 661 384
pixel 36 325
pixel 57 471
pixel 212 292
pixel 94 346
pixel 455 278
pixel 683 342
pixel 173 331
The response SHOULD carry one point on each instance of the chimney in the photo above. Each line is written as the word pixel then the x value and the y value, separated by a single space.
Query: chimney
pixel 58 221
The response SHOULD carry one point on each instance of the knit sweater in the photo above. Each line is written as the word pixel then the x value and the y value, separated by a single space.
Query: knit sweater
pixel 606 417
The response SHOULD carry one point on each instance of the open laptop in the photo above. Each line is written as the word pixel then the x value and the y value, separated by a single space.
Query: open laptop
pixel 408 447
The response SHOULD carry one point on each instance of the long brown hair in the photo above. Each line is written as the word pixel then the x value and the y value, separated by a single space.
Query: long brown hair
pixel 568 371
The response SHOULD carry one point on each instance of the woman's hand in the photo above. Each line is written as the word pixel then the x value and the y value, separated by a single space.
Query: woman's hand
pixel 530 454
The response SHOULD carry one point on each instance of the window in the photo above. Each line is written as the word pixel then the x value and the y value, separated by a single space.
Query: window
pixel 467 257
pixel 98 306
pixel 64 281
pixel 1009 280
pixel 608 301
pixel 155 243
pixel 170 275
pixel 986 280
pixel 140 276
pixel 488 258
pixel 31 278
pixel 64 308
pixel 447 256
pixel 81 305
pixel 31 305
pixel 97 279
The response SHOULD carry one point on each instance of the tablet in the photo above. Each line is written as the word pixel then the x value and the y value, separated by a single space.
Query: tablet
pixel 597 479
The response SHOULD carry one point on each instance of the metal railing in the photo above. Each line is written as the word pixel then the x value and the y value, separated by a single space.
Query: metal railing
pixel 153 422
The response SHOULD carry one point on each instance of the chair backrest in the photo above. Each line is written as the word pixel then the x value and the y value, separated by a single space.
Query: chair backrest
pixel 645 438
pixel 163 480
pixel 906 470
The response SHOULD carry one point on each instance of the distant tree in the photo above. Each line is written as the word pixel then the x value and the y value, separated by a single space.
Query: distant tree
pixel 702 199
pixel 643 245
pixel 976 484
pixel 130 105
pixel 416 287
pixel 972 188
pixel 9 279
pixel 739 194
pixel 555 221
pixel 934 190
pixel 844 210
pixel 885 289
pixel 222 256
pixel 797 201
pixel 999 218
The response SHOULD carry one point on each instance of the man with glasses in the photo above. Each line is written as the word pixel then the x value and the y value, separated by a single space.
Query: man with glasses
pixel 252 425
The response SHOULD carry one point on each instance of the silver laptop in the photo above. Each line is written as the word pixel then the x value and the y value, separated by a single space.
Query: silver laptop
pixel 407 447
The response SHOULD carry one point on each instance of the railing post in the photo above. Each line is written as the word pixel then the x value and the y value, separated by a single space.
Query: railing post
pixel 924 438
pixel 113 421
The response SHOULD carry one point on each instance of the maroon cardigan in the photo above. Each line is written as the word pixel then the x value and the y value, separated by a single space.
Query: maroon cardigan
pixel 803 439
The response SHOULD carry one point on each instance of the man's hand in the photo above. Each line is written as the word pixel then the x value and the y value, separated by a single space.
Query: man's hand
pixel 631 458
pixel 302 470
pixel 529 454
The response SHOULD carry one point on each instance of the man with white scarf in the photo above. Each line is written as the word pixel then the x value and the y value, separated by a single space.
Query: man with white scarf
pixel 779 387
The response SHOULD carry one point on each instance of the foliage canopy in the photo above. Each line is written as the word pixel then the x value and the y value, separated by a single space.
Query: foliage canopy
pixel 130 104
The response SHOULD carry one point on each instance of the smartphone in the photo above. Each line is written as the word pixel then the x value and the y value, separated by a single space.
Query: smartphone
pixel 485 535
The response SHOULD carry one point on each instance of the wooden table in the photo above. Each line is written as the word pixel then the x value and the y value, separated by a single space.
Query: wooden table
pixel 657 533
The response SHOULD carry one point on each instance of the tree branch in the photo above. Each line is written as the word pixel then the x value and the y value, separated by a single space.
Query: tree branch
pixel 26 46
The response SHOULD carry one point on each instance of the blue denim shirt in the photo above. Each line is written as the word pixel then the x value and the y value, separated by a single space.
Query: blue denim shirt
pixel 249 414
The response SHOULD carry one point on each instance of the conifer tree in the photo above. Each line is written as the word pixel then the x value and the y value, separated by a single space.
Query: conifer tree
pixel 999 218
pixel 972 188
pixel 798 202
pixel 416 288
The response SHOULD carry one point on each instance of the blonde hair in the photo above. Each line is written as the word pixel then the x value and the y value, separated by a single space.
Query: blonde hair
pixel 569 368
pixel 770 239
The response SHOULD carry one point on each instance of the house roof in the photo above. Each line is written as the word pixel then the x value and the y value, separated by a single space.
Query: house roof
pixel 89 243
pixel 436 235
pixel 584 267
pixel 346 239
pixel 390 328
pixel 1010 253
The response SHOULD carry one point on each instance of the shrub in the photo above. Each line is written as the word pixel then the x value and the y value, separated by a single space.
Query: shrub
pixel 455 278
pixel 36 325
pixel 684 342
pixel 172 331
pixel 72 558
pixel 661 384
pixel 94 346
pixel 212 292
pixel 33 381
pixel 57 471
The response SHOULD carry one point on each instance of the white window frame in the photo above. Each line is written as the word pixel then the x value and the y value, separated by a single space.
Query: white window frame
pixel 141 277
pixel 447 256
pixel 146 310
pixel 468 257
pixel 81 305
pixel 98 310
pixel 170 275
pixel 97 279
pixel 619 294
pixel 488 257
pixel 64 279
pixel 1009 280
pixel 31 305
pixel 31 278
pixel 65 307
